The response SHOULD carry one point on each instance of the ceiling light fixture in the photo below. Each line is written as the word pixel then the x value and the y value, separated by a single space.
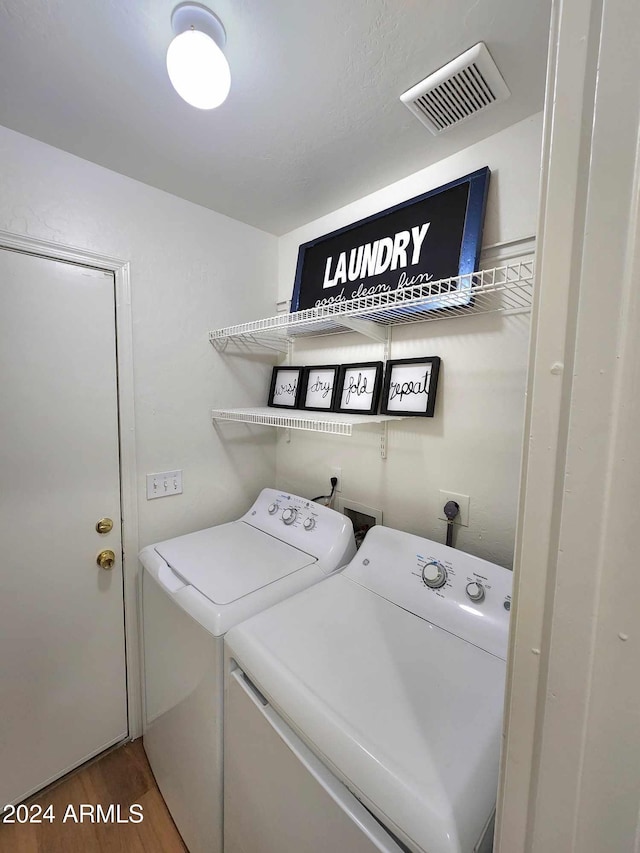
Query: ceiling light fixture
pixel 197 67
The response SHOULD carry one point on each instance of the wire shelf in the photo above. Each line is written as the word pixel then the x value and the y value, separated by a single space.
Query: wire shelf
pixel 333 423
pixel 506 289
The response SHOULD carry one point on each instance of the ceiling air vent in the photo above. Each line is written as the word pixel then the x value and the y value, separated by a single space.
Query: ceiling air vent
pixel 457 91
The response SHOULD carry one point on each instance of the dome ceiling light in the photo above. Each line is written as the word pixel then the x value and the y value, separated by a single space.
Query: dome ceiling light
pixel 197 67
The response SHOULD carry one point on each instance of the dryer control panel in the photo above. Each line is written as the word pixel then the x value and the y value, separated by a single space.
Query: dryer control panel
pixel 311 527
pixel 461 593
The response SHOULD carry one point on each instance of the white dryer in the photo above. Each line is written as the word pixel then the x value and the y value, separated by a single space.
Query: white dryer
pixel 365 714
pixel 195 588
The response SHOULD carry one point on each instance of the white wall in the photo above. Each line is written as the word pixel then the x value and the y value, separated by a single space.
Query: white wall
pixel 191 270
pixel 473 444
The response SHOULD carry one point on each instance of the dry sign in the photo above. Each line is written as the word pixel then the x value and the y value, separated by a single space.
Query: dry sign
pixel 434 236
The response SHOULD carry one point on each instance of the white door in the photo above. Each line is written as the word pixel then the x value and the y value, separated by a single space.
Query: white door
pixel 62 656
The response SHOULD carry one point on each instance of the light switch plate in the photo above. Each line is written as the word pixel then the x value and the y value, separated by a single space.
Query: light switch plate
pixel 164 484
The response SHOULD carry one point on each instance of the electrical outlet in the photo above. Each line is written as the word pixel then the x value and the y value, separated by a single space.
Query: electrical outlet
pixel 164 484
pixel 463 502
pixel 334 471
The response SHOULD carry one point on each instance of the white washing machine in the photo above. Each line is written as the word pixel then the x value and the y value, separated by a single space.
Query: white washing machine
pixel 365 714
pixel 195 588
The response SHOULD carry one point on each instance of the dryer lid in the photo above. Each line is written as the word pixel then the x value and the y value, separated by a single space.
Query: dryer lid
pixel 409 716
pixel 230 561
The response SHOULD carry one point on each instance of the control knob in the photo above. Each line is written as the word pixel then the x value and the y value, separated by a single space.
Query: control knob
pixel 475 591
pixel 434 575
pixel 289 515
pixel 273 508
pixel 309 524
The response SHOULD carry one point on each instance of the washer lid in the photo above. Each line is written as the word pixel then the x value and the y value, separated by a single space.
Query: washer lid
pixel 407 715
pixel 231 560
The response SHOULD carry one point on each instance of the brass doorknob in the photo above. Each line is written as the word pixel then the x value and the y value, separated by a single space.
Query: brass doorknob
pixel 105 525
pixel 106 559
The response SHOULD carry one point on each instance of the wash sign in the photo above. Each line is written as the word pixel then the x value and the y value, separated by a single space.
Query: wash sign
pixel 433 236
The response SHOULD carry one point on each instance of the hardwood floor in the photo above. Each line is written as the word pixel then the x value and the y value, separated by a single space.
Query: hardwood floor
pixel 121 777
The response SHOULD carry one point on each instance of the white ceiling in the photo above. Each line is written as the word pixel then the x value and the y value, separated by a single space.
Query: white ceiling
pixel 313 120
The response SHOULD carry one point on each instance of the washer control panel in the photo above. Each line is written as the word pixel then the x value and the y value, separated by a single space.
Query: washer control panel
pixel 306 525
pixel 459 592
pixel 291 511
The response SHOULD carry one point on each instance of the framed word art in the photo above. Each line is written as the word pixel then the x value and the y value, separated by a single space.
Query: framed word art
pixel 359 388
pixel 434 236
pixel 320 387
pixel 410 386
pixel 284 391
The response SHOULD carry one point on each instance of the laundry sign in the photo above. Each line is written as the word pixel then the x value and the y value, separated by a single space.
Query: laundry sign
pixel 434 236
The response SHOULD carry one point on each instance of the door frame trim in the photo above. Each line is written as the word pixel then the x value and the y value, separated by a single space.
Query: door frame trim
pixel 128 468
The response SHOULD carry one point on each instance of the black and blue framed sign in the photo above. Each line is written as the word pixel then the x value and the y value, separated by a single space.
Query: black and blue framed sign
pixel 437 235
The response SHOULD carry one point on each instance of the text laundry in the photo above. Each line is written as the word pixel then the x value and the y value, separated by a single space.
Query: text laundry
pixel 388 253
